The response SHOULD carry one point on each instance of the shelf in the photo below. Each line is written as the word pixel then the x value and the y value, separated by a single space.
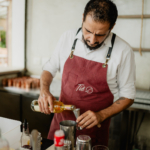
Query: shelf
pixel 55 89
pixel 143 49
pixel 9 70
pixel 133 16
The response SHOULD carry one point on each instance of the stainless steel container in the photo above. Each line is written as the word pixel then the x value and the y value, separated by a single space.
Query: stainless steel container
pixel 69 128
pixel 83 142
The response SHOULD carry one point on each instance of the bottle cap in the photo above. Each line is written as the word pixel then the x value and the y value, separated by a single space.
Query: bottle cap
pixel 59 137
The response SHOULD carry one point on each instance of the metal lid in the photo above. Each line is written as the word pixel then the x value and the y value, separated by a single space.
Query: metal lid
pixel 83 138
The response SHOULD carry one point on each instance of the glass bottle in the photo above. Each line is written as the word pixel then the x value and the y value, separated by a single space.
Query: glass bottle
pixel 59 138
pixel 3 143
pixel 25 137
pixel 58 106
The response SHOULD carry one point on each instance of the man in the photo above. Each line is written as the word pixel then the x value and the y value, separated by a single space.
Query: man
pixel 95 65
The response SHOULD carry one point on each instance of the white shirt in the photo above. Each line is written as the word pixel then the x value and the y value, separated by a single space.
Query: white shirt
pixel 121 66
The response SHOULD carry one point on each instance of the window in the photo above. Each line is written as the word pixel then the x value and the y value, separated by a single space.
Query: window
pixel 12 34
pixel 4 29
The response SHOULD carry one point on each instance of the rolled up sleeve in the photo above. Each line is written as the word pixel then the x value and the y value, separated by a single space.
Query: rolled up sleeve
pixel 126 75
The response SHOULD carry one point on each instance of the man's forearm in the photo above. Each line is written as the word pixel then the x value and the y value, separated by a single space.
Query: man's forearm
pixel 45 80
pixel 45 98
pixel 118 106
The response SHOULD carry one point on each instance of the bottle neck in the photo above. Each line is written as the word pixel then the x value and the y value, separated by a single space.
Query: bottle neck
pixel 0 133
pixel 68 107
pixel 25 132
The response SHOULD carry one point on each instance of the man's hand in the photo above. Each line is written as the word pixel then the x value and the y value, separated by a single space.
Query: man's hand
pixel 46 99
pixel 89 119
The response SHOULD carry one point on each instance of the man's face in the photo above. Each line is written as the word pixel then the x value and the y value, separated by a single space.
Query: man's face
pixel 94 33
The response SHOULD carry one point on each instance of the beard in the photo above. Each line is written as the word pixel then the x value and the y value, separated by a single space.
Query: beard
pixel 98 45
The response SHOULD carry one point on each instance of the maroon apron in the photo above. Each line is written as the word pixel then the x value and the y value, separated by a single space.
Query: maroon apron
pixel 84 84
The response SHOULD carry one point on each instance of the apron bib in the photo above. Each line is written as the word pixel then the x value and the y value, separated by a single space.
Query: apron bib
pixel 84 84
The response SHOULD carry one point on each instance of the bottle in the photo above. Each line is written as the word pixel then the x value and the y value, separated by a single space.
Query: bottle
pixel 3 143
pixel 36 140
pixel 25 137
pixel 58 106
pixel 59 138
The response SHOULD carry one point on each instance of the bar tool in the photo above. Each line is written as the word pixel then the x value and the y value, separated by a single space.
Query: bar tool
pixel 77 114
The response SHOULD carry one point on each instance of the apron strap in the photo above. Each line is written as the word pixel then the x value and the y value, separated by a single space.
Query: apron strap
pixel 110 50
pixel 74 45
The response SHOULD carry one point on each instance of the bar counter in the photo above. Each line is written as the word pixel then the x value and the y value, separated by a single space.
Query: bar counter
pixel 129 117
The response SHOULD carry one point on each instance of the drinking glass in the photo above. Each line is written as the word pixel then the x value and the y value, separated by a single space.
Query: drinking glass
pixel 100 147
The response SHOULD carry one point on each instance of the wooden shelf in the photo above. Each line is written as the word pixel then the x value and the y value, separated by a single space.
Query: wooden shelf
pixel 133 16
pixel 8 72
pixel 143 49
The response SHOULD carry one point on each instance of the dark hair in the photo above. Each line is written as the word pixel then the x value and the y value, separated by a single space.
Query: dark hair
pixel 101 11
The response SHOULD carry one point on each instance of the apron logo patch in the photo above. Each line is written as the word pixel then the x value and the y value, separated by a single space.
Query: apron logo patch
pixel 82 88
pixel 89 90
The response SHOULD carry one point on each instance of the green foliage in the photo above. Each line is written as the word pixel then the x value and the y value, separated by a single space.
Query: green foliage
pixel 3 39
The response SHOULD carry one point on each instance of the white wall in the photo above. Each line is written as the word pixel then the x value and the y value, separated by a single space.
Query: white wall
pixel 48 19
pixel 18 25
